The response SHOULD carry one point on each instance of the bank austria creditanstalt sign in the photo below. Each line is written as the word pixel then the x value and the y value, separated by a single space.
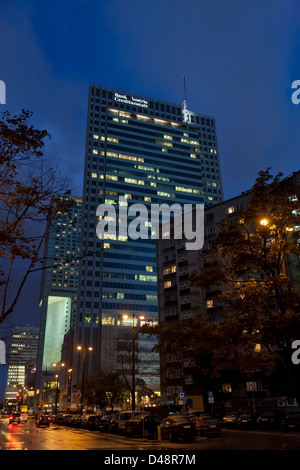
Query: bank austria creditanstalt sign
pixel 131 100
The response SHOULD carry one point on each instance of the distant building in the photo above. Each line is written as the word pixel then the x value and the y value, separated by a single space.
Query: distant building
pixel 23 347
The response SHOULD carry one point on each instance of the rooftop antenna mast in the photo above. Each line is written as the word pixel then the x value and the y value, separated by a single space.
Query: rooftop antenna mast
pixel 184 104
pixel 184 89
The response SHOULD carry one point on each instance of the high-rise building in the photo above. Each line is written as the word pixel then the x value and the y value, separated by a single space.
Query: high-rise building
pixel 145 151
pixel 58 287
pixel 22 348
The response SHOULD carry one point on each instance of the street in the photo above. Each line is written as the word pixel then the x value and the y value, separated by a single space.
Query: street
pixel 27 437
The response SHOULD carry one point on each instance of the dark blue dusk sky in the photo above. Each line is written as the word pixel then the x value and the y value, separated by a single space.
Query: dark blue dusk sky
pixel 239 58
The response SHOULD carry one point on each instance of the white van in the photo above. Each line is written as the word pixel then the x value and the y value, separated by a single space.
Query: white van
pixel 24 417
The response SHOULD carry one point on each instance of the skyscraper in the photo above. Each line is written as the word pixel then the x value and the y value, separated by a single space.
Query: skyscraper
pixel 146 151
pixel 23 347
pixel 58 286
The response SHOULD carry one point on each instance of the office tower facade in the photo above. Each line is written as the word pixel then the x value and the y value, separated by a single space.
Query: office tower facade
pixel 144 151
pixel 22 348
pixel 179 299
pixel 58 288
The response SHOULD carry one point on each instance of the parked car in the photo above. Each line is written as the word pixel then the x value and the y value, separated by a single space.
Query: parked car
pixel 144 425
pixel 58 419
pixel 93 422
pixel 207 426
pixel 230 419
pixel 66 418
pixel 43 420
pixel 247 421
pixel 177 426
pixel 291 422
pixel 104 422
pixel 113 426
pixel 69 420
pixel 125 416
pixel 15 418
pixel 271 420
pixel 76 421
pixel 84 420
pixel 194 413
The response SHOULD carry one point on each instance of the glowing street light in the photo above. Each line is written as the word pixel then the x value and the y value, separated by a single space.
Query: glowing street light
pixel 140 317
pixel 80 348
pixel 264 222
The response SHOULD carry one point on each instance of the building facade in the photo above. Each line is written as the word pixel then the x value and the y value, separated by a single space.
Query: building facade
pixel 145 151
pixel 22 348
pixel 179 298
pixel 58 291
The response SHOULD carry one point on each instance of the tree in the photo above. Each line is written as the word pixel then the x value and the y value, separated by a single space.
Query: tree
pixel 252 267
pixel 29 202
pixel 106 390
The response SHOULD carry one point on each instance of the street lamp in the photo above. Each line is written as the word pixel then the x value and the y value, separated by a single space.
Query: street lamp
pixel 80 348
pixel 140 317
pixel 57 365
pixel 264 222
pixel 69 389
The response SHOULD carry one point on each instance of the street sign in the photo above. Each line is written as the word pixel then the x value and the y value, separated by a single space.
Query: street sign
pixel 181 397
pixel 210 396
pixel 143 392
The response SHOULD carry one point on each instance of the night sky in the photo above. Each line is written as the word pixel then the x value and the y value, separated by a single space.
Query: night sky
pixel 239 58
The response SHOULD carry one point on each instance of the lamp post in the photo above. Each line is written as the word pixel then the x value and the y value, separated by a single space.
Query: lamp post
pixel 69 389
pixel 79 348
pixel 133 384
pixel 57 377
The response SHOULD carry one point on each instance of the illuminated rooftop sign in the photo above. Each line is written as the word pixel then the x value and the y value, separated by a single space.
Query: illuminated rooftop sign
pixel 131 100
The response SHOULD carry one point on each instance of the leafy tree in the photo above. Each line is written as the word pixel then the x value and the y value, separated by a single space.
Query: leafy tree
pixel 127 369
pixel 253 267
pixel 106 390
pixel 29 202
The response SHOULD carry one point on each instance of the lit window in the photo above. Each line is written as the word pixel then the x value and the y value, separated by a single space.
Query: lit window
pixel 170 269
pixel 226 388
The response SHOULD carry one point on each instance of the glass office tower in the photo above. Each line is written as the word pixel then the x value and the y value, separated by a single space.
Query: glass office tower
pixel 147 151
pixel 58 289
